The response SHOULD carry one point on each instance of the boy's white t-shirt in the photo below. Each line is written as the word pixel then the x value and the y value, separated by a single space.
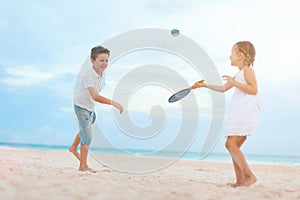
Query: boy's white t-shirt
pixel 83 98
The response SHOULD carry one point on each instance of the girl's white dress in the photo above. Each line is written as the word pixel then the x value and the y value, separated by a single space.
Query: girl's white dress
pixel 244 111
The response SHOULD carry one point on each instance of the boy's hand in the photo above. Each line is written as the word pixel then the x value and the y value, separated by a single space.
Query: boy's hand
pixel 118 106
pixel 121 109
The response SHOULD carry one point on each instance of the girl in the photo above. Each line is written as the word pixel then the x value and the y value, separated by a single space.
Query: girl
pixel 244 109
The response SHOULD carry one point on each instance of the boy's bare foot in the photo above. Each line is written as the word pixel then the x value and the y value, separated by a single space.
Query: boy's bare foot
pixel 250 181
pixel 74 152
pixel 87 169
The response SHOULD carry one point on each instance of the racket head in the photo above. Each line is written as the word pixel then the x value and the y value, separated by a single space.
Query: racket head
pixel 179 95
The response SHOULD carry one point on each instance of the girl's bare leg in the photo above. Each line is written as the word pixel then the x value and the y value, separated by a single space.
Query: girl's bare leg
pixel 238 173
pixel 240 160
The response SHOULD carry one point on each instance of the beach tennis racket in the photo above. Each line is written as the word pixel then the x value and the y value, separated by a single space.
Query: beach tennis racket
pixel 182 93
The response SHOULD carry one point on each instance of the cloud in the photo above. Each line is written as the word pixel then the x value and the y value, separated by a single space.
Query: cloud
pixel 58 80
pixel 25 76
pixel 66 109
pixel 271 26
pixel 168 6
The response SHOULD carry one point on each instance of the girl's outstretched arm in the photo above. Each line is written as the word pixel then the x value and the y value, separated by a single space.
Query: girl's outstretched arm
pixel 217 88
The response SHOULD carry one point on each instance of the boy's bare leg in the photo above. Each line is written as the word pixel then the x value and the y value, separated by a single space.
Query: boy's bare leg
pixel 240 160
pixel 237 170
pixel 73 147
pixel 84 149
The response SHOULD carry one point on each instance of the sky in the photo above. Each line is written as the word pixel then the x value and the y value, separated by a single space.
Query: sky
pixel 44 45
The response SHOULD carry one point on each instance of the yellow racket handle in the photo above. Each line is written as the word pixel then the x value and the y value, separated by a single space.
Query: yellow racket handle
pixel 193 87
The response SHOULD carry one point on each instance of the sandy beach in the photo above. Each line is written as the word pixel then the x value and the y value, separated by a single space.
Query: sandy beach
pixel 33 174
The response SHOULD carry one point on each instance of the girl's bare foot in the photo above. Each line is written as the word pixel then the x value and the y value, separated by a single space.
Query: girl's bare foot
pixel 87 169
pixel 249 181
pixel 234 185
pixel 74 152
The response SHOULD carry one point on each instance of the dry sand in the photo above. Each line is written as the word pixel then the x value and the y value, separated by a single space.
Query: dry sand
pixel 32 174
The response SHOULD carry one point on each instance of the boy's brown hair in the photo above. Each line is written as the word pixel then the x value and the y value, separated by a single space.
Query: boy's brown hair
pixel 98 50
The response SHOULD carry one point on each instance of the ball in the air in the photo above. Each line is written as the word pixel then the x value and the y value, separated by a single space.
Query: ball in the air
pixel 175 32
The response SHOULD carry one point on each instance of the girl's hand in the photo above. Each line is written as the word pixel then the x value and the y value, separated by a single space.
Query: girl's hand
pixel 198 85
pixel 229 79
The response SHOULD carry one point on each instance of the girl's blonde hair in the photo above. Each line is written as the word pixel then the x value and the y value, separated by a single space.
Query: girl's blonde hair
pixel 248 49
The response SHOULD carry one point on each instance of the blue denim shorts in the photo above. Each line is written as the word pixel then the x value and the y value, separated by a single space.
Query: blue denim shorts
pixel 85 120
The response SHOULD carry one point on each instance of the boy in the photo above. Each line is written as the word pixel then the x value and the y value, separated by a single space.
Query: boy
pixel 84 103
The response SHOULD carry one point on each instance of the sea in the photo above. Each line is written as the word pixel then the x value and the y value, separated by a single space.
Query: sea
pixel 215 157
